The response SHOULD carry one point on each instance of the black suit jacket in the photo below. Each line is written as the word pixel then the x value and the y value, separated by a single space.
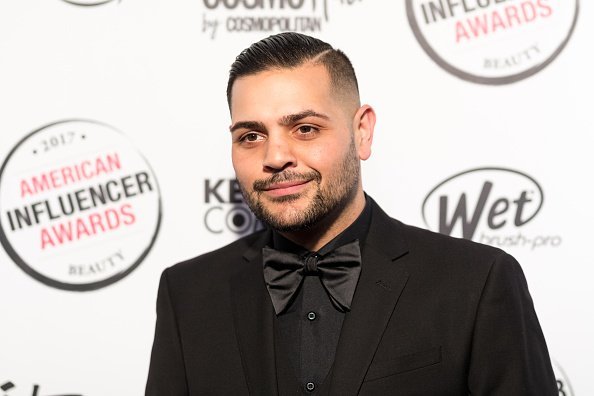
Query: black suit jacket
pixel 431 315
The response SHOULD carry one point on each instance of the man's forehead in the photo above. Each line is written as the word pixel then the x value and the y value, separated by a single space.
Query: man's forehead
pixel 279 92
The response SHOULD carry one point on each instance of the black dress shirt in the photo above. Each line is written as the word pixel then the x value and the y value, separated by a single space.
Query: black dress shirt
pixel 308 331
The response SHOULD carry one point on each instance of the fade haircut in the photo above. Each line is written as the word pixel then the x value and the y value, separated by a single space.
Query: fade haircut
pixel 290 50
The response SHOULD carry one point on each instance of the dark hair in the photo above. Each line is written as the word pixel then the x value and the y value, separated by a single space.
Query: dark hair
pixel 289 50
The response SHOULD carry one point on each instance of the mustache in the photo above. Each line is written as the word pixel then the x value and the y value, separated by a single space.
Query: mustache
pixel 286 176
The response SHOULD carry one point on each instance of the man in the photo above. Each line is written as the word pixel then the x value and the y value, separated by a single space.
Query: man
pixel 334 297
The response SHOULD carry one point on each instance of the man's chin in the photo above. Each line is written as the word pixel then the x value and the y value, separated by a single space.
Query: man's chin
pixel 288 223
pixel 285 216
pixel 284 211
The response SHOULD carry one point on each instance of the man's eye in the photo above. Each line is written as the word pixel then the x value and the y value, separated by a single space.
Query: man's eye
pixel 250 137
pixel 306 129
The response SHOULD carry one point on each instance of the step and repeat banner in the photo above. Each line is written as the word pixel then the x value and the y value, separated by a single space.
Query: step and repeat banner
pixel 115 159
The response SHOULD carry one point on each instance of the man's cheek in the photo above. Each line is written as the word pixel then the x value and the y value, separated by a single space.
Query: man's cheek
pixel 316 155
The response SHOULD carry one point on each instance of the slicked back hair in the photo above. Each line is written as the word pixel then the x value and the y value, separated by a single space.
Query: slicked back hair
pixel 290 50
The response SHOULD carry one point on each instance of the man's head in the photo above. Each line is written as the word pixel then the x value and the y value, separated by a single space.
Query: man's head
pixel 298 133
pixel 290 50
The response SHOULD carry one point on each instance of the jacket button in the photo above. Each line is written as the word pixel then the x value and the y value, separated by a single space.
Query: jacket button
pixel 310 386
pixel 311 315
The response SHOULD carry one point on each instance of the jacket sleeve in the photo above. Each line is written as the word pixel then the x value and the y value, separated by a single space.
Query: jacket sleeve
pixel 509 353
pixel 167 370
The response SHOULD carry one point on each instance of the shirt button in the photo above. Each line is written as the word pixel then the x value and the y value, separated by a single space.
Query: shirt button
pixel 310 386
pixel 311 316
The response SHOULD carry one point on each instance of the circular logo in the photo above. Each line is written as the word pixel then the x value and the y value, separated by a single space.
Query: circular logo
pixel 492 41
pixel 80 207
pixel 482 200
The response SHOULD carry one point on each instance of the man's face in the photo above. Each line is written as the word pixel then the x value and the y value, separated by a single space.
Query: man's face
pixel 294 150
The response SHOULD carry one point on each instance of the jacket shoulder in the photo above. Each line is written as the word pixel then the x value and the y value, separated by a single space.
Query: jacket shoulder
pixel 428 247
pixel 454 257
pixel 446 245
pixel 218 263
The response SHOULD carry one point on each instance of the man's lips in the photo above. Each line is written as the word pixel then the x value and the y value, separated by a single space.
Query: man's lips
pixel 286 188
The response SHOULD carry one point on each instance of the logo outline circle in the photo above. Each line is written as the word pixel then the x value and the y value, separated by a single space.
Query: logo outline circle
pixel 79 287
pixel 488 168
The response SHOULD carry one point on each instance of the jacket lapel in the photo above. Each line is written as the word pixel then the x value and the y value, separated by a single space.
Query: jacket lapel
pixel 253 319
pixel 382 280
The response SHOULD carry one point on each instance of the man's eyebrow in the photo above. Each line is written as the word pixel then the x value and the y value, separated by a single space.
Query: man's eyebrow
pixel 291 119
pixel 286 120
pixel 253 125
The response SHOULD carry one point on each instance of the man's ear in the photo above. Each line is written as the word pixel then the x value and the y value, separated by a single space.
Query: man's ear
pixel 363 125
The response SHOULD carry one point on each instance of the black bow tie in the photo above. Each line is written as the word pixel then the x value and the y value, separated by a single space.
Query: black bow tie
pixel 338 270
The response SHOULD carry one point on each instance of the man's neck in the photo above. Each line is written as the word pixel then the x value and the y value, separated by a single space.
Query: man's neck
pixel 326 230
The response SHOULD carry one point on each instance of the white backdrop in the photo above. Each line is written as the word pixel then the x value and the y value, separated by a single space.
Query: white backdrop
pixel 154 73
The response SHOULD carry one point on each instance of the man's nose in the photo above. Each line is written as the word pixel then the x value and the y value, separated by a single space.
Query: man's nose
pixel 279 154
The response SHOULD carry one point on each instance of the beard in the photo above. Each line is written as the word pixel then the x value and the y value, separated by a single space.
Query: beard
pixel 340 190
